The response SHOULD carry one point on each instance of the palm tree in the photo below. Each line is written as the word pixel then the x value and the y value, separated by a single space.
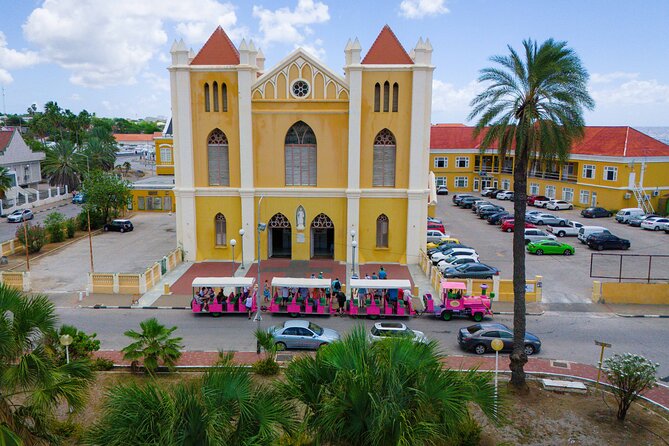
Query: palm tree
pixel 222 407
pixel 534 105
pixel 394 392
pixel 32 383
pixel 154 345
pixel 63 165
pixel 5 180
pixel 101 154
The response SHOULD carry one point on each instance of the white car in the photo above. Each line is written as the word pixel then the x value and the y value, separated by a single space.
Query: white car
pixel 434 236
pixel 442 190
pixel 452 261
pixel 505 195
pixel 542 203
pixel 654 224
pixel 486 191
pixel 439 256
pixel 385 330
pixel 534 235
pixel 559 205
pixel 571 230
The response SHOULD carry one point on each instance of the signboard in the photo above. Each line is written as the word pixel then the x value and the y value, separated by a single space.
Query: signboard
pixel 300 238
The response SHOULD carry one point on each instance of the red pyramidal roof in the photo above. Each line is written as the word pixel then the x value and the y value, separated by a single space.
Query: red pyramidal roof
pixel 387 50
pixel 218 50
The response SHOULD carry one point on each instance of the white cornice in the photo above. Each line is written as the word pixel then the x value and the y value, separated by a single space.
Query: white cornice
pixel 298 52
pixel 307 192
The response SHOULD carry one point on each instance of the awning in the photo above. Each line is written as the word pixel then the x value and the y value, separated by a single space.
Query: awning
pixel 222 282
pixel 298 282
pixel 446 285
pixel 394 284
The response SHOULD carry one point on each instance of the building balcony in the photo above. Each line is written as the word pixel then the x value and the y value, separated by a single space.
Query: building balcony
pixel 554 176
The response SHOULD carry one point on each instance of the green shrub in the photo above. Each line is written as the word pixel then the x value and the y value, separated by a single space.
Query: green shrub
pixel 466 433
pixel 71 227
pixel 266 367
pixel 36 237
pixel 67 429
pixel 97 220
pixel 102 364
pixel 55 224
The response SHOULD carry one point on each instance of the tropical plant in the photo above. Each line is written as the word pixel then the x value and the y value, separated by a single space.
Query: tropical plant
pixel 9 438
pixel 101 154
pixel 394 392
pixel 6 181
pixel 71 227
pixel 32 382
pixel 97 219
pixel 154 345
pixel 55 224
pixel 223 407
pixel 83 344
pixel 532 105
pixel 126 167
pixel 36 236
pixel 62 165
pixel 630 375
pixel 268 365
pixel 106 193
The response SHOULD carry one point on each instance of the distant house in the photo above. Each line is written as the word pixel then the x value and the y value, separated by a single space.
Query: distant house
pixel 23 164
pixel 139 143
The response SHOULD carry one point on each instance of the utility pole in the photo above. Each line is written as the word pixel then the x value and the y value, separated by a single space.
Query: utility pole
pixel 26 243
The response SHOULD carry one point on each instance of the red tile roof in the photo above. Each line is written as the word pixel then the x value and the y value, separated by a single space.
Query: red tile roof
pixel 598 141
pixel 147 137
pixel 5 139
pixel 218 50
pixel 387 50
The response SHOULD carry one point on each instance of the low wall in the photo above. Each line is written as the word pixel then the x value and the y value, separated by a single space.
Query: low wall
pixel 16 279
pixel 631 293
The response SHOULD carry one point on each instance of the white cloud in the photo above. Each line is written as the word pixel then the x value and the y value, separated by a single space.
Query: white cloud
pixel 284 25
pixel 417 9
pixel 451 103
pixel 605 78
pixel 110 42
pixel 156 81
pixel 632 92
pixel 316 49
pixel 12 59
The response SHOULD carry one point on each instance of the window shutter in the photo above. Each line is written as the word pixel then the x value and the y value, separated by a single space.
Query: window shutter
pixel 312 165
pixel 377 177
pixel 389 166
pixel 214 162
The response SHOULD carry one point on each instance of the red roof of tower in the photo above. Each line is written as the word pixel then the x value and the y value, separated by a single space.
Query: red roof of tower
pixel 5 139
pixel 218 50
pixel 387 50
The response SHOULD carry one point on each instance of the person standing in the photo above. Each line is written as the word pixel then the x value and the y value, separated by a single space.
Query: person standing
pixel 250 297
pixel 382 274
pixel 265 291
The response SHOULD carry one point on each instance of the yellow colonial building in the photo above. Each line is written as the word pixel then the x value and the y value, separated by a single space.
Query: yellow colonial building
pixel 611 167
pixel 164 150
pixel 325 162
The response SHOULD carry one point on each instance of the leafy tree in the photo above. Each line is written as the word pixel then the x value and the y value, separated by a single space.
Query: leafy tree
pixel 71 227
pixel 32 382
pixel 36 236
pixel 106 194
pixel 153 345
pixel 394 392
pixel 126 168
pixel 5 180
pixel 631 375
pixel 83 344
pixel 100 153
pixel 97 219
pixel 532 105
pixel 63 165
pixel 55 224
pixel 223 407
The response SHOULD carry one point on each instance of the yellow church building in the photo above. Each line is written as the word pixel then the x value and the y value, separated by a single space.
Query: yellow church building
pixel 325 162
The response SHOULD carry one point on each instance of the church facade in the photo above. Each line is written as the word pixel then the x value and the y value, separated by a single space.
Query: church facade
pixel 326 162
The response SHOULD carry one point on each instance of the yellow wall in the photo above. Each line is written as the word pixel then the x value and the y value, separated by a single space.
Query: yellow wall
pixel 396 210
pixel 206 209
pixel 398 123
pixel 168 168
pixel 205 122
pixel 635 293
pixel 152 193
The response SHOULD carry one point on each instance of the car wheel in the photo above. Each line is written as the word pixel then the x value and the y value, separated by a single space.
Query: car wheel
pixel 567 252
pixel 539 252
pixel 122 230
pixel 529 349
pixel 540 222
pixel 479 349
pixel 570 207
pixel 280 346
pixel 562 223
pixel 31 217
pixel 561 233
pixel 105 229
pixel 656 228
pixel 294 314
pixel 478 317
pixel 447 315
pixel 627 246
pixel 600 248
pixel 527 242
pixel 509 230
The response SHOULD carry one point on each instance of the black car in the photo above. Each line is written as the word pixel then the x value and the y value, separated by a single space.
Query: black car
pixel 467 202
pixel 636 221
pixel 603 240
pixel 458 197
pixel 595 213
pixel 119 226
pixel 487 212
pixel 471 271
pixel 496 219
pixel 478 337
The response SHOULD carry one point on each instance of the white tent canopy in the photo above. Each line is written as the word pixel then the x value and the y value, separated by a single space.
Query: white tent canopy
pixel 395 284
pixel 298 282
pixel 222 282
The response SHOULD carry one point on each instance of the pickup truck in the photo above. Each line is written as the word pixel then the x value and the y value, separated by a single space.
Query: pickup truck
pixel 571 230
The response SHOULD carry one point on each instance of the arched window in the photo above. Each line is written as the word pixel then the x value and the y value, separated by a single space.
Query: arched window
pixel 219 167
pixel 384 159
pixel 220 228
pixel 382 231
pixel 396 96
pixel 215 96
pixel 224 93
pixel 300 155
pixel 206 97
pixel 386 96
pixel 377 97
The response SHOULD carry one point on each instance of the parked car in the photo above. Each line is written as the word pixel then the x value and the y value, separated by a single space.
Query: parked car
pixel 486 191
pixel 471 271
pixel 119 226
pixel 542 203
pixel 442 190
pixel 508 225
pixel 480 204
pixel 547 219
pixel 435 236
pixel 533 198
pixel 586 231
pixel 20 215
pixel 478 338
pixel 439 256
pixel 496 218
pixel 504 195
pixel 654 224
pixel 78 199
pixel 603 241
pixel 486 212
pixel 385 330
pixel 558 205
pixel 458 197
pixel 451 240
pixel 595 213
pixel 434 220
pixel 563 231
pixel 468 202
pixel 302 334
pixel 624 215
pixel 636 221
pixel 431 226
pixel 550 247
pixel 535 235
pixel 452 261
pixel 488 207
pixel 666 229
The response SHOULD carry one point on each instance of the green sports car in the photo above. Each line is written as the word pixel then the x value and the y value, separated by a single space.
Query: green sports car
pixel 550 247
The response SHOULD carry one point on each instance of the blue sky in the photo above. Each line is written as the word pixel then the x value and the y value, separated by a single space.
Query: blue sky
pixel 110 57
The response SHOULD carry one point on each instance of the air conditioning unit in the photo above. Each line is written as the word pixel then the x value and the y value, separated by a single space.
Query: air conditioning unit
pixel 656 193
pixel 627 196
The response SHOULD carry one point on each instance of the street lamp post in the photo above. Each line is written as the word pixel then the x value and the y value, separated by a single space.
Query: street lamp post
pixel 353 245
pixel 260 228
pixel 233 242
pixel 241 240
pixel 66 340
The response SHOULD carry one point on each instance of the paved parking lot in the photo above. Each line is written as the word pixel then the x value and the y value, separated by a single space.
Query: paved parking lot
pixel 132 252
pixel 566 278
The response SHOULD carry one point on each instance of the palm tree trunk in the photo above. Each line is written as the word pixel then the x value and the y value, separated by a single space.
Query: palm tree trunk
pixel 518 356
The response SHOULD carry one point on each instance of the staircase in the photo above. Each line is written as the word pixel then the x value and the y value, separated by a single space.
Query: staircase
pixel 642 199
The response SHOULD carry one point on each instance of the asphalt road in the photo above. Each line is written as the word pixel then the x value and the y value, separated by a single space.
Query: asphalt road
pixel 564 335
pixel 8 230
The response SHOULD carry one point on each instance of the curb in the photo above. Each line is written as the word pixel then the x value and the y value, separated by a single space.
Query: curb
pixel 130 307
pixel 656 316
pixel 510 313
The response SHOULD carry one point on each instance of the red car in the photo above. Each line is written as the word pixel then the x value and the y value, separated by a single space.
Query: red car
pixel 507 226
pixel 532 198
pixel 431 226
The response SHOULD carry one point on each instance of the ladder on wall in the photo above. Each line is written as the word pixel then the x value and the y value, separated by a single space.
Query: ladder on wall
pixel 643 199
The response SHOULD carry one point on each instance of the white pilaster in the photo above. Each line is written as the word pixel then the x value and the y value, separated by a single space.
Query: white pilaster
pixel 248 224
pixel 353 71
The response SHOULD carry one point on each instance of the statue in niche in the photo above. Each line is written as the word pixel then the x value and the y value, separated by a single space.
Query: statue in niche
pixel 300 217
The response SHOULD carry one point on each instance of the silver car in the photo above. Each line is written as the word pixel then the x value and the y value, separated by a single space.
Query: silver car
pixel 20 215
pixel 383 330
pixel 302 334
pixel 547 219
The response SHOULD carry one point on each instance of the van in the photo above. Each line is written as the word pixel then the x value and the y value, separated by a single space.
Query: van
pixel 624 215
pixel 585 231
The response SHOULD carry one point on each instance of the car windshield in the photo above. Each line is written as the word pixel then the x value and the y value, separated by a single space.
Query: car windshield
pixel 473 328
pixel 17 212
pixel 315 328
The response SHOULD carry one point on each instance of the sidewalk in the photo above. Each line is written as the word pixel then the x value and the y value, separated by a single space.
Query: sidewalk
pixel 570 370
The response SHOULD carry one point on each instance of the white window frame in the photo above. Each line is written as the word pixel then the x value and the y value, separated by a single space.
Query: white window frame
pixel 550 191
pixel 438 159
pixel 461 182
pixel 534 188
pixel 464 160
pixel 591 169
pixel 568 194
pixel 166 155
pixel 506 184
pixel 584 197
pixel 608 169
pixel 441 181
